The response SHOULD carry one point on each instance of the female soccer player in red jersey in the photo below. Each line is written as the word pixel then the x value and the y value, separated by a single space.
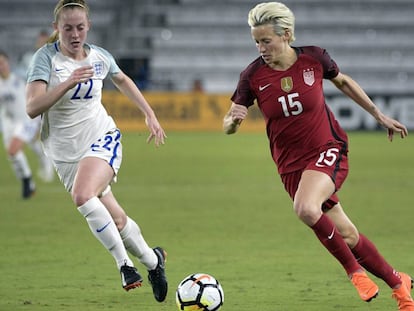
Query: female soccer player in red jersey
pixel 308 145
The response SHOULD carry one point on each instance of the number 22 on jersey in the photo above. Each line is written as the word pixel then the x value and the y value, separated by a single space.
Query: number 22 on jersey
pixel 87 95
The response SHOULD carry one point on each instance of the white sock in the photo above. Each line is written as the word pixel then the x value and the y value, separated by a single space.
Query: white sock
pixel 134 242
pixel 21 165
pixel 104 229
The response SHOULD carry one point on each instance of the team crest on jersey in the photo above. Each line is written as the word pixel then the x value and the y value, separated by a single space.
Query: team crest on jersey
pixel 309 76
pixel 286 84
pixel 98 68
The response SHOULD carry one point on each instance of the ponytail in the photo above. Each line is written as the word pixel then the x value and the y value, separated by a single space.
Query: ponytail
pixel 53 37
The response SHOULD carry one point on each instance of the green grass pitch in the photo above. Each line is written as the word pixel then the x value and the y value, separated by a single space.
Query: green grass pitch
pixel 216 204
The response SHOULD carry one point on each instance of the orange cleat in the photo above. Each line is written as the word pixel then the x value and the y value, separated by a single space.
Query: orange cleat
pixel 366 288
pixel 403 293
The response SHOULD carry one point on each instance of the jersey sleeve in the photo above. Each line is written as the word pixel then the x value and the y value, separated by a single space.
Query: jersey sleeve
pixel 113 66
pixel 244 95
pixel 40 66
pixel 330 68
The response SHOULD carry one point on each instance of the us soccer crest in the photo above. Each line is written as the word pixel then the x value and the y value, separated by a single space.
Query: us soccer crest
pixel 286 84
pixel 309 76
pixel 98 68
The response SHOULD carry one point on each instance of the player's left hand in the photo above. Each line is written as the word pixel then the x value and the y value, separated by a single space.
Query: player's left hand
pixel 156 131
pixel 393 126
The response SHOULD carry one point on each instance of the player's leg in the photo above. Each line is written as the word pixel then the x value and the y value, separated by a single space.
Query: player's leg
pixel 363 249
pixel 130 232
pixel 21 166
pixel 152 259
pixel 31 133
pixel 46 170
pixel 92 177
pixel 313 190
pixel 369 257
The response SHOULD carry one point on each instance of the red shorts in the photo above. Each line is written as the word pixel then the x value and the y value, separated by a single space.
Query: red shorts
pixel 330 160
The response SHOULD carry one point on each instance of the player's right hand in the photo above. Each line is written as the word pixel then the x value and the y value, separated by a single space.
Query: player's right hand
pixel 238 113
pixel 81 74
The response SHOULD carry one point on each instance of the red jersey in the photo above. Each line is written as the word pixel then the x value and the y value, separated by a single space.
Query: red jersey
pixel 298 121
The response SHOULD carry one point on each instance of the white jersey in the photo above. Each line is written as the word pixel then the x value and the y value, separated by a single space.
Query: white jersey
pixel 71 125
pixel 14 120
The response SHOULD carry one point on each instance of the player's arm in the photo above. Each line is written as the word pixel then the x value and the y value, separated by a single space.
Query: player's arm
pixel 234 118
pixel 129 88
pixel 353 90
pixel 39 98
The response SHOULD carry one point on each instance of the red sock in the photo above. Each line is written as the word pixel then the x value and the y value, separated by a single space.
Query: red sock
pixel 368 256
pixel 329 236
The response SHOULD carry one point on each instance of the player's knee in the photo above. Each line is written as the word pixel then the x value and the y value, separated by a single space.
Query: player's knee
pixel 81 197
pixel 307 212
pixel 11 152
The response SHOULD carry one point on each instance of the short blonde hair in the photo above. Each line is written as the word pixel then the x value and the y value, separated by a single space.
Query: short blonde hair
pixel 276 14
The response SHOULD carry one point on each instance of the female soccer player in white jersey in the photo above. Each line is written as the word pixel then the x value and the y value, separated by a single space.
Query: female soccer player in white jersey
pixel 18 129
pixel 65 82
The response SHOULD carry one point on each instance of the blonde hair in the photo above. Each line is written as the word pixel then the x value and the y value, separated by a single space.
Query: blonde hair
pixel 65 4
pixel 276 14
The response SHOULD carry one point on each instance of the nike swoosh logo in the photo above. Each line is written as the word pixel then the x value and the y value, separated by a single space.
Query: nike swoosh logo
pixel 332 234
pixel 103 228
pixel 261 88
pixel 59 69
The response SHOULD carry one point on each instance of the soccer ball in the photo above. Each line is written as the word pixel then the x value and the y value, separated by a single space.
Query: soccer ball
pixel 199 291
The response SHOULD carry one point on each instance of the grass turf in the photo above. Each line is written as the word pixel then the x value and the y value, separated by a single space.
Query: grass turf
pixel 216 204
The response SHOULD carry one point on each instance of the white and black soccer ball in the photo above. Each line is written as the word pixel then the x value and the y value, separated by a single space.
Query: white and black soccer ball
pixel 199 291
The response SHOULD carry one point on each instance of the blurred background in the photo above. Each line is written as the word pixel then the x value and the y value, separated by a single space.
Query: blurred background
pixel 203 45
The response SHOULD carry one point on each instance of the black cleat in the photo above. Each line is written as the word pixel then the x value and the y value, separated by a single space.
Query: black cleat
pixel 157 276
pixel 28 187
pixel 130 277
